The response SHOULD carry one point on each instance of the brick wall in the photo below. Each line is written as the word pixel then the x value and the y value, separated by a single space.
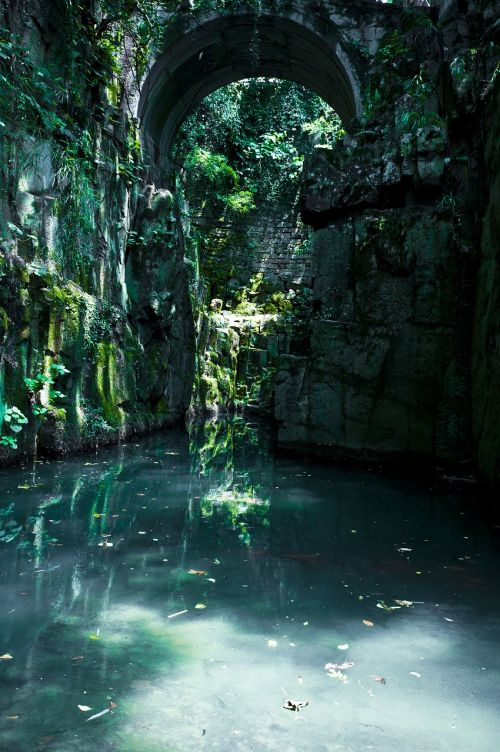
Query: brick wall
pixel 275 245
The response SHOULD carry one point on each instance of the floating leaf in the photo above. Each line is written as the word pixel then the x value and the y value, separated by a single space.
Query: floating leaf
pixel 84 708
pixel 197 571
pixel 385 607
pixel 339 666
pixel 177 613
pixel 378 679
pixel 200 605
pixel 112 706
pixel 368 623
pixel 337 674
pixel 295 705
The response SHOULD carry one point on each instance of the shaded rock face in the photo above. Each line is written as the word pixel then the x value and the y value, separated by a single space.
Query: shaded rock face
pixel 91 260
pixel 404 338
pixel 486 343
pixel 388 373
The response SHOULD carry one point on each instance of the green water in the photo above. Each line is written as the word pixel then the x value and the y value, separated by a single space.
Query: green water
pixel 287 559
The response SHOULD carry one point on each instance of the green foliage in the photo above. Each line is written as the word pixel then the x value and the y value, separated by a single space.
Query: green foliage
pixel 240 202
pixel 397 69
pixel 41 381
pixel 253 134
pixel 38 383
pixel 324 130
pixel 8 441
pixel 15 419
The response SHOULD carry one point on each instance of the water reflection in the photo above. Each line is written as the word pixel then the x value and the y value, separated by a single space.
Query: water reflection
pixel 198 583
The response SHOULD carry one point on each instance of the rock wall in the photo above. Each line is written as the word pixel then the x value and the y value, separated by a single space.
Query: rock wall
pixel 91 263
pixel 486 344
pixel 397 209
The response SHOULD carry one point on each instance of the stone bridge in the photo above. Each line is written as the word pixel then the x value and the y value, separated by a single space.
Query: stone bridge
pixel 324 45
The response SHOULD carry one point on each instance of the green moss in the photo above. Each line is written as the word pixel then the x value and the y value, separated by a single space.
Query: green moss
pixel 4 322
pixel 106 380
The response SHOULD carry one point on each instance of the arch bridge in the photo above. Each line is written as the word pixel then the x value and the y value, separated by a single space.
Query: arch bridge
pixel 324 45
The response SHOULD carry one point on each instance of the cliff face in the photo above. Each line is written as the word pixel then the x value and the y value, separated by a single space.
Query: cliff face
pixel 91 260
pixel 486 343
pixel 404 356
pixel 404 340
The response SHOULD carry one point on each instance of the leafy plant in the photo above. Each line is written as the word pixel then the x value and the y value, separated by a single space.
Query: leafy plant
pixel 15 419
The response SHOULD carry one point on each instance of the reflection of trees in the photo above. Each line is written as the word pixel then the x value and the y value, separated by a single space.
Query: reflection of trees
pixel 230 454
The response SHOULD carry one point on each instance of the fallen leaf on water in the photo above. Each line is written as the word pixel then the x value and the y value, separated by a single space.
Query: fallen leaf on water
pixel 84 708
pixel 177 613
pixel 97 515
pixel 378 679
pixel 6 657
pixel 94 637
pixel 345 646
pixel 200 605
pixel 403 603
pixel 415 673
pixel 339 666
pixel 368 623
pixel 385 607
pixel 295 705
pixel 112 706
pixel 197 571
pixel 336 674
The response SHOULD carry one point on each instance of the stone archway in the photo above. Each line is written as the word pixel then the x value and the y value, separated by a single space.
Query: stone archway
pixel 316 44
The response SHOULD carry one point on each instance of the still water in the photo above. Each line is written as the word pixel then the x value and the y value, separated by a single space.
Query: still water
pixel 192 584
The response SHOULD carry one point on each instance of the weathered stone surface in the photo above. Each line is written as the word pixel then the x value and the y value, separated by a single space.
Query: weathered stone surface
pixel 486 346
pixel 387 381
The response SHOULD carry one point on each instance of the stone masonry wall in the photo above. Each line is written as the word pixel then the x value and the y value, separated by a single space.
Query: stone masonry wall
pixel 272 245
